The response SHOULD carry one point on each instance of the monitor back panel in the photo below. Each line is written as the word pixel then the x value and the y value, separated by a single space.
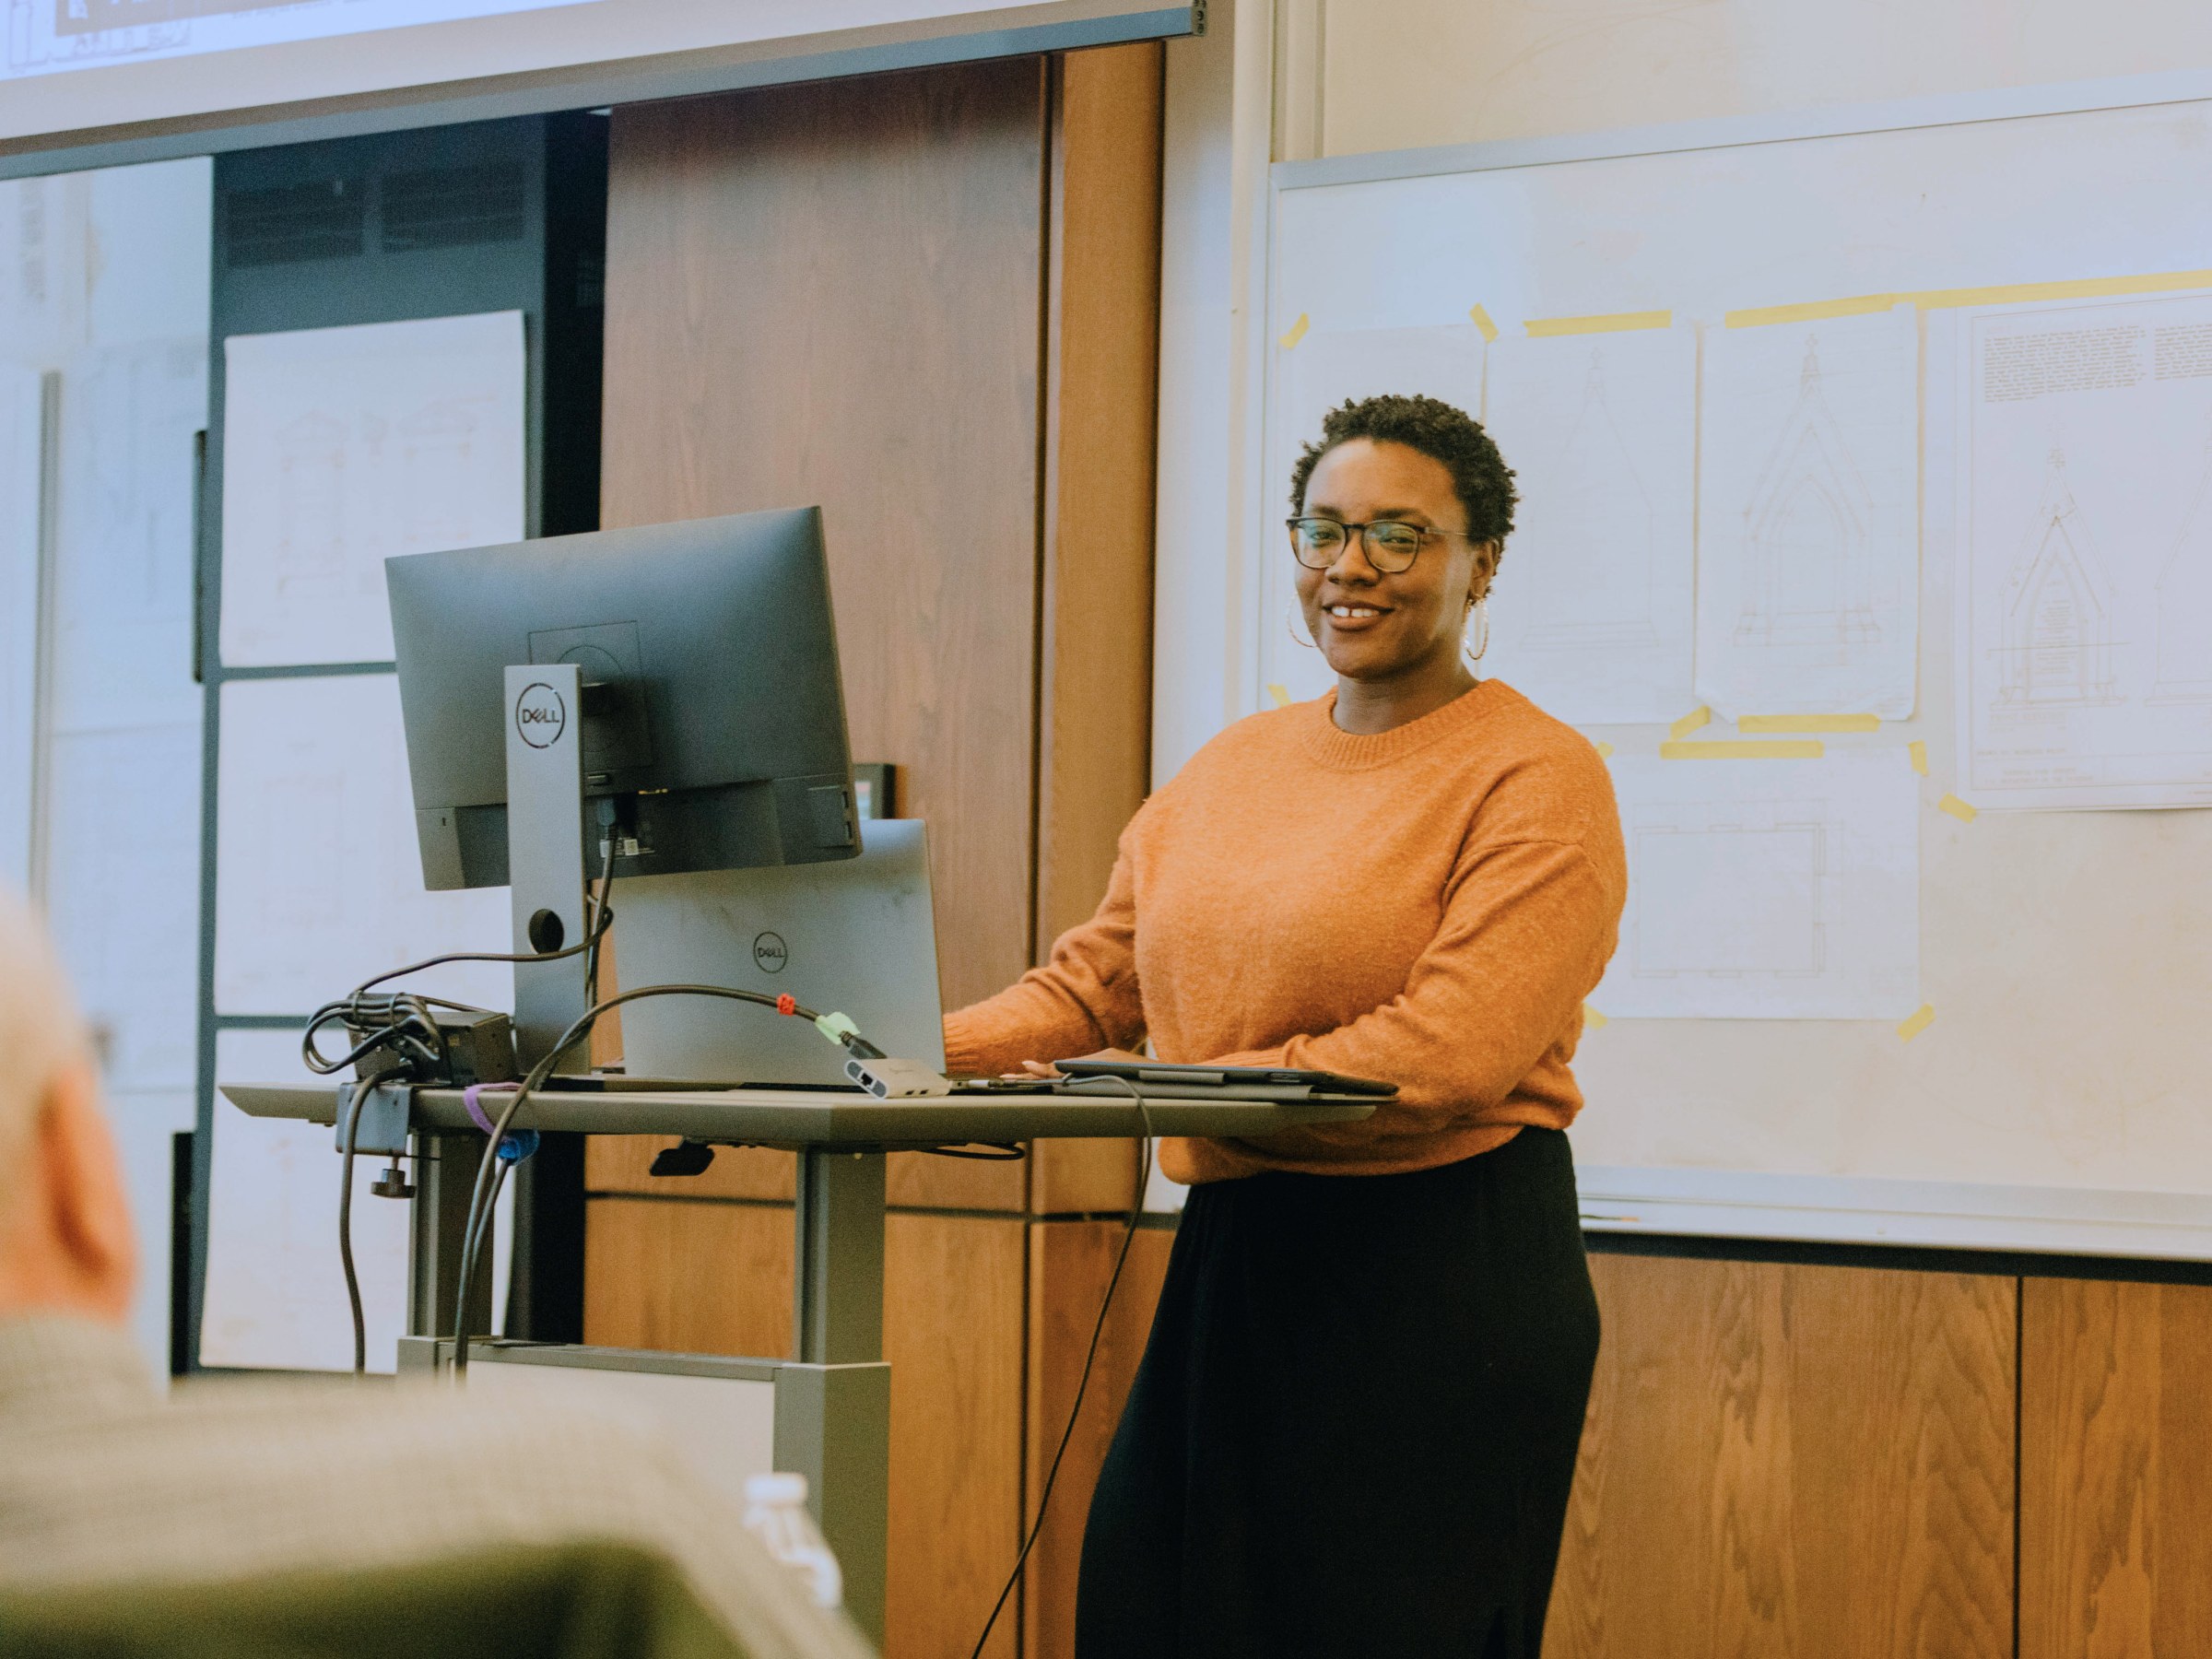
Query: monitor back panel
pixel 857 938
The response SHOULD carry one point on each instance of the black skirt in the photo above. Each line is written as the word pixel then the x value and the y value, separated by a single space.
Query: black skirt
pixel 1354 1429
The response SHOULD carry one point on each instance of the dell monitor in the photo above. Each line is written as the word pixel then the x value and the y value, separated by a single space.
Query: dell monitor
pixel 713 720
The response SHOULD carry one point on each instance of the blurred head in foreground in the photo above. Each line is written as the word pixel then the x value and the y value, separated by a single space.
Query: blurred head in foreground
pixel 65 1244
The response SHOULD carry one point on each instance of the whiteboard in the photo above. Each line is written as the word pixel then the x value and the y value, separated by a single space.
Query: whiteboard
pixel 2052 1087
pixel 318 879
pixel 348 446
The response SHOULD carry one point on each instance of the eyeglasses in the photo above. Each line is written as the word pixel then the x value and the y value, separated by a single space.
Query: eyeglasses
pixel 1391 546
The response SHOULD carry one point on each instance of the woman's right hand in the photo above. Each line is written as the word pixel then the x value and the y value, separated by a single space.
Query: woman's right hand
pixel 1047 1068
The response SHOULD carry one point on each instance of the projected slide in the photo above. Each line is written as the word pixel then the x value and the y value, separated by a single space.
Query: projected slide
pixel 45 37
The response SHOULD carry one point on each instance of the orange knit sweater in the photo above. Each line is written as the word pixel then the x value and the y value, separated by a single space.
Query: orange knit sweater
pixel 1428 905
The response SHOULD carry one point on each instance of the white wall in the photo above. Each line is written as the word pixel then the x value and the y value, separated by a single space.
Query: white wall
pixel 1404 74
pixel 104 281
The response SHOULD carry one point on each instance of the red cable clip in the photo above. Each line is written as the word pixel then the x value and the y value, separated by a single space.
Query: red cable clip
pixel 788 1004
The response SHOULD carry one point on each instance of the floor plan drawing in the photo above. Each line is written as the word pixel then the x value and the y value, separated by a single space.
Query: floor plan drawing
pixel 1808 555
pixel 1768 890
pixel 2083 535
pixel 1593 610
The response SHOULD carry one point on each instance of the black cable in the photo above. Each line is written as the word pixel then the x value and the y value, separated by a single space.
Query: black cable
pixel 353 1281
pixel 1044 1499
pixel 602 918
pixel 424 1030
pixel 472 1234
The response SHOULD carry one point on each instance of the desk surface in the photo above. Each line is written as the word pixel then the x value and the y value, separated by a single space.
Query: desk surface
pixel 830 1118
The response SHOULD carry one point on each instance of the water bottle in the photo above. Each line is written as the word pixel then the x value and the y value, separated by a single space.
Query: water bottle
pixel 776 1513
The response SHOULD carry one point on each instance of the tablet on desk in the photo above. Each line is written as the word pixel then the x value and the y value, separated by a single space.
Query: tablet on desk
pixel 1164 1074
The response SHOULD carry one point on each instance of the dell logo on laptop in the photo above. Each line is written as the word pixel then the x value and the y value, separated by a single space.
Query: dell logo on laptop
pixel 539 715
pixel 769 953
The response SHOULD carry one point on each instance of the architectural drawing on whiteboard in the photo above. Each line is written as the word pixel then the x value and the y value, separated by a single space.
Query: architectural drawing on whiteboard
pixel 1773 889
pixel 345 446
pixel 2058 607
pixel 1770 864
pixel 1808 531
pixel 1604 539
pixel 2184 590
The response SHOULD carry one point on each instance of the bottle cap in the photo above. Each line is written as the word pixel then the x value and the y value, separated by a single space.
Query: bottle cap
pixel 777 1491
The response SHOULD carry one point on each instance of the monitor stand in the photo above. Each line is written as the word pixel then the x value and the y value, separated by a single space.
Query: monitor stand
pixel 546 866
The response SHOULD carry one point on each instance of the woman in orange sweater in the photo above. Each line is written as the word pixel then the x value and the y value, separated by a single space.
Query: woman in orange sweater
pixel 1354 1428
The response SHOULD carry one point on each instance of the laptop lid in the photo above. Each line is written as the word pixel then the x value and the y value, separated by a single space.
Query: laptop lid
pixel 856 936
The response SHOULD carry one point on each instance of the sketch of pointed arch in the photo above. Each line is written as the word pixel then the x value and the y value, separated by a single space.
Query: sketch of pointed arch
pixel 2058 607
pixel 1809 530
pixel 2184 601
pixel 1602 537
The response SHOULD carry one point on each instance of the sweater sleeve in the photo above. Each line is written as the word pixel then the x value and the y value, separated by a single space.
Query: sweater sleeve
pixel 1083 999
pixel 1525 935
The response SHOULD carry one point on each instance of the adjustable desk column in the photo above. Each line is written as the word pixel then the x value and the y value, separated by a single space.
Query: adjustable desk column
pixel 833 1402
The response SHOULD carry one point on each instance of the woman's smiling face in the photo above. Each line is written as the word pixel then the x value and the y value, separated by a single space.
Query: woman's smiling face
pixel 1377 625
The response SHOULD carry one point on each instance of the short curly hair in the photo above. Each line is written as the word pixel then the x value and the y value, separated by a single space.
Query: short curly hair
pixel 1480 478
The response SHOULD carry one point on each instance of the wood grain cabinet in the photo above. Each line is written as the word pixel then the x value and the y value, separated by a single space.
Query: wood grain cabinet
pixel 928 302
pixel 2115 1470
pixel 1791 1460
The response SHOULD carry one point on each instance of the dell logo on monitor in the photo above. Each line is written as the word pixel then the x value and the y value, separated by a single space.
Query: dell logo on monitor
pixel 769 953
pixel 539 715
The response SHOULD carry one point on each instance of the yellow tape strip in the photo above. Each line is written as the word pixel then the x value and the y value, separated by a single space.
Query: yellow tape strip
pixel 1771 749
pixel 1690 722
pixel 1546 328
pixel 1809 723
pixel 1281 695
pixel 1592 1019
pixel 1958 809
pixel 1913 1026
pixel 1605 751
pixel 1919 752
pixel 1858 305
pixel 1297 331
pixel 1481 319
pixel 2086 288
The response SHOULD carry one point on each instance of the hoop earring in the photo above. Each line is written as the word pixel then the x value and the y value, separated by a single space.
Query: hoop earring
pixel 1291 628
pixel 1479 610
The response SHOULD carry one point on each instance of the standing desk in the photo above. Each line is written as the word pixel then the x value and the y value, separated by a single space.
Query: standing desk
pixel 832 1399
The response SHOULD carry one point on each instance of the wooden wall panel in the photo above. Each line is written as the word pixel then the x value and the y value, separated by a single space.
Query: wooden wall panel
pixel 1069 1264
pixel 2115 1470
pixel 1801 1461
pixel 831 293
pixel 623 1163
pixel 688 1277
pixel 952 1330
pixel 1102 435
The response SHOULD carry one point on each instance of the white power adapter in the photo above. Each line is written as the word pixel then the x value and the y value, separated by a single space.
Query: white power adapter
pixel 889 1079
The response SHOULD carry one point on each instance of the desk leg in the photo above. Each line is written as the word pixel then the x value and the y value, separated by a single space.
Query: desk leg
pixel 833 1407
pixel 446 1174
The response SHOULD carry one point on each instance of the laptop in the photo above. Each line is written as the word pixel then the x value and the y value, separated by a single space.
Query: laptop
pixel 855 936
